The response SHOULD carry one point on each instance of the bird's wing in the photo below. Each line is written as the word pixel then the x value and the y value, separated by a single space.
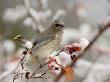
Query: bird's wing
pixel 42 40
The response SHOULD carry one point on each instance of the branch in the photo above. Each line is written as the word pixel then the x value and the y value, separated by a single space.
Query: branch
pixel 103 27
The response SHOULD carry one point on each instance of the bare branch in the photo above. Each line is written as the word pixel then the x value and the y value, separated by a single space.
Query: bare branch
pixel 103 27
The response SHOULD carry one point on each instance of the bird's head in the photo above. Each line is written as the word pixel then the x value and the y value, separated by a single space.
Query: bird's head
pixel 58 24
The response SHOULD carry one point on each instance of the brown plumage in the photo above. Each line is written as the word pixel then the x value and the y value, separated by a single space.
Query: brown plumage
pixel 49 40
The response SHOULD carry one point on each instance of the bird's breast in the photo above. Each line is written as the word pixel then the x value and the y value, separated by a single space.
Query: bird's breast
pixel 50 47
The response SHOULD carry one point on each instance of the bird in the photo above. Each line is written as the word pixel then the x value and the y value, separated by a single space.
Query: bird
pixel 49 40
pixel 45 42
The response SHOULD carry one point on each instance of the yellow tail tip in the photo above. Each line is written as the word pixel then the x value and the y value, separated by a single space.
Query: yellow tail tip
pixel 17 37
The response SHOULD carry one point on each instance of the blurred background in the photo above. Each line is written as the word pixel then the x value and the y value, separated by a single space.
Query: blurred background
pixel 81 18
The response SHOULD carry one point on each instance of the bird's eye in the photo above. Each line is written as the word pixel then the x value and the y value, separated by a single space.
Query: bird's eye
pixel 59 25
pixel 56 25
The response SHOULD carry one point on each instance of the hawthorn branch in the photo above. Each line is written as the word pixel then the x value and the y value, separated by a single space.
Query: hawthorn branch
pixel 103 27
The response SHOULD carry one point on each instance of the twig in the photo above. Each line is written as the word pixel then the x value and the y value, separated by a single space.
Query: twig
pixel 103 28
